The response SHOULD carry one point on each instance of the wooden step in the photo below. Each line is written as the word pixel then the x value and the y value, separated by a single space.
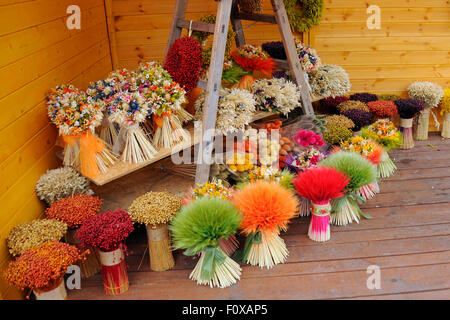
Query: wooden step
pixel 196 25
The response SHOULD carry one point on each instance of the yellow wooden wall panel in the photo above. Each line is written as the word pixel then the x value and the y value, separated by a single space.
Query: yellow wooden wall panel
pixel 387 3
pixel 39 52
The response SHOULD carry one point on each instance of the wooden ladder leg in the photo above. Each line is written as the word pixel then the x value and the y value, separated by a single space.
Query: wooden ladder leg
pixel 237 26
pixel 175 31
pixel 212 90
pixel 291 52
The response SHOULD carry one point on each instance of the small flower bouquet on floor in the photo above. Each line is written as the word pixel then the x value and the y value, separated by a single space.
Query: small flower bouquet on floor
pixel 370 150
pixel 155 210
pixel 361 172
pixel 33 234
pixel 429 94
pixel 76 117
pixel 267 208
pixel 445 111
pixel 107 231
pixel 42 269
pixel 73 211
pixel 129 110
pixel 198 228
pixel 320 185
pixel 386 134
pixel 407 110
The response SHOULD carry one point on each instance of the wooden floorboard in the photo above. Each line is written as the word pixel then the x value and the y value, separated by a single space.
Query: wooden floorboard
pixel 408 237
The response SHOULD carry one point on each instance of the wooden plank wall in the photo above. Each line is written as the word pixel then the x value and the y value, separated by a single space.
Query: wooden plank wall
pixel 142 27
pixel 412 44
pixel 39 52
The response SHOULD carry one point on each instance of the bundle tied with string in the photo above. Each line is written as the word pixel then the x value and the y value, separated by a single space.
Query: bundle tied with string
pixel 361 172
pixel 76 117
pixel 103 91
pixel 445 111
pixel 407 110
pixel 214 189
pixel 429 94
pixel 320 185
pixel 267 209
pixel 166 98
pixel 129 110
pixel 386 134
pixel 155 210
pixel 197 228
pixel 370 150
pixel 73 211
pixel 106 231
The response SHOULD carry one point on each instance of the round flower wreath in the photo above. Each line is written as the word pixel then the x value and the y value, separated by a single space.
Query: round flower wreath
pixel 184 62
pixel 302 20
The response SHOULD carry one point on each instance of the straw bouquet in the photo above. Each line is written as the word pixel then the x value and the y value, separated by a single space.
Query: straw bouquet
pixel 361 173
pixel 429 94
pixel 267 208
pixel 129 110
pixel 372 152
pixel 156 210
pixel 407 110
pixel 74 211
pixel 106 231
pixel 76 117
pixel 320 185
pixel 329 80
pixel 42 269
pixel 198 228
pixel 445 111
pixel 386 134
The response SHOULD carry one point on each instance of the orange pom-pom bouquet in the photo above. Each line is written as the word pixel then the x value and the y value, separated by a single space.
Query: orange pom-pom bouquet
pixel 267 208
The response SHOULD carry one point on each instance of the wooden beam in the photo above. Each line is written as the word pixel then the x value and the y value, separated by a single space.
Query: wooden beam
pixel 291 52
pixel 196 25
pixel 259 17
pixel 175 31
pixel 212 90
pixel 237 26
pixel 111 34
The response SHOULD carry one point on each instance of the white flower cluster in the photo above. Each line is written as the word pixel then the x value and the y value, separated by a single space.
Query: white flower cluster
pixel 128 109
pixel 427 92
pixel 276 95
pixel 329 81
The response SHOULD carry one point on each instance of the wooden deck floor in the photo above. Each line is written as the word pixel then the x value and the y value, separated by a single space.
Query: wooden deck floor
pixel 408 237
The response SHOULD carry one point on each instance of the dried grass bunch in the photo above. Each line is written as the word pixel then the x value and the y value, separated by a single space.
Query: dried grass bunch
pixel 276 95
pixel 329 81
pixel 427 92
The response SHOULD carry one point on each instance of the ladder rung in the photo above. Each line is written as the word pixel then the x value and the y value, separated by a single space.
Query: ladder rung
pixel 196 25
pixel 255 17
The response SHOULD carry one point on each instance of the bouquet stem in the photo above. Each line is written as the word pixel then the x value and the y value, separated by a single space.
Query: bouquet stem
pixel 91 264
pixel 161 258
pixel 305 207
pixel 445 133
pixel 347 213
pixel 369 191
pixel 269 252
pixel 169 131
pixel 114 271
pixel 319 227
pixel 421 132
pixel 137 147
pixel 407 133
pixel 108 132
pixel 54 291
pixel 229 245
pixel 386 167
pixel 224 273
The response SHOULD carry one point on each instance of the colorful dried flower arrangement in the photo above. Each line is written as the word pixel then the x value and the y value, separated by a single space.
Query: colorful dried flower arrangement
pixel 329 80
pixel 33 234
pixel 253 59
pixel 76 115
pixel 364 97
pixel 445 111
pixel 335 134
pixel 320 185
pixel 305 160
pixel 59 183
pixel 352 104
pixel 308 57
pixel 197 228
pixel 267 209
pixel 382 109
pixel 42 268
pixel 360 118
pixel 74 210
pixel 235 110
pixel 361 173
pixel 407 110
pixel 155 210
pixel 329 105
pixel 271 174
pixel 307 138
pixel 339 120
pixel 276 95
pixel 213 189
pixel 129 110
pixel 386 134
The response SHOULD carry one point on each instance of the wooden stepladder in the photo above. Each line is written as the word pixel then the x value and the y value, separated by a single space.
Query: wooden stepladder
pixel 227 12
